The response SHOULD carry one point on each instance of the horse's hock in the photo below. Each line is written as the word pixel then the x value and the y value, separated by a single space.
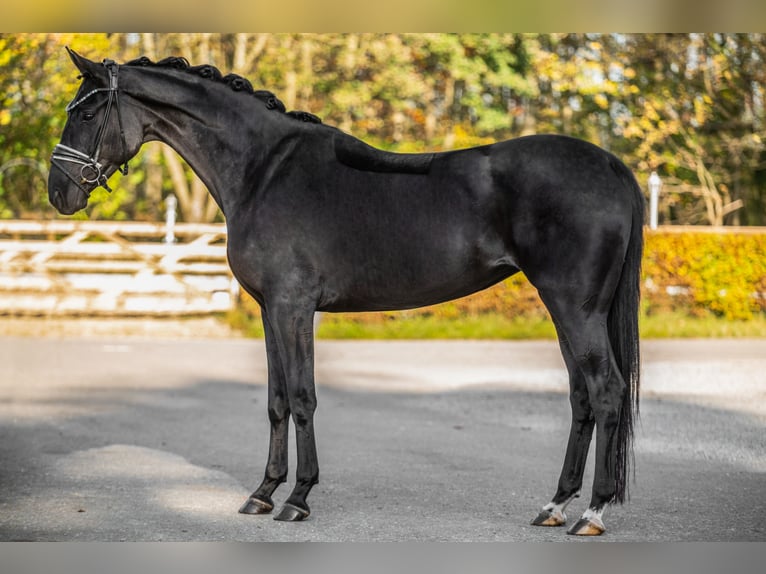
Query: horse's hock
pixel 79 268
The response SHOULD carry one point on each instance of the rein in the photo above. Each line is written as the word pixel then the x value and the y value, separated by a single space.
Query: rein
pixel 90 167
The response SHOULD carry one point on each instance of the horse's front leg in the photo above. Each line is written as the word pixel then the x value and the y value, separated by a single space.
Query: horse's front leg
pixel 279 417
pixel 292 327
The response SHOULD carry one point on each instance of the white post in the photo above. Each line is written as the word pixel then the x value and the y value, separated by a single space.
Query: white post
pixel 655 184
pixel 170 218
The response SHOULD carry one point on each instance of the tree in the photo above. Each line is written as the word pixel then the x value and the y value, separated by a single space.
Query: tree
pixel 689 106
pixel 694 115
pixel 35 87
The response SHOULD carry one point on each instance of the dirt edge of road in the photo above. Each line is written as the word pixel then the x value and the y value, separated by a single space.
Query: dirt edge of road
pixel 138 327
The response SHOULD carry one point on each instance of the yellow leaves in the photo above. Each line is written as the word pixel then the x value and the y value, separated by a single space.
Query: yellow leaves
pixel 651 114
pixel 632 131
pixel 721 273
pixel 601 101
pixel 701 111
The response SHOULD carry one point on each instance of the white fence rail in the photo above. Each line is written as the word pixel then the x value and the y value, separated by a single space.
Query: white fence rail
pixel 110 268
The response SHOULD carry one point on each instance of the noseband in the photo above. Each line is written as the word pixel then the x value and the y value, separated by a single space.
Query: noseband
pixel 90 167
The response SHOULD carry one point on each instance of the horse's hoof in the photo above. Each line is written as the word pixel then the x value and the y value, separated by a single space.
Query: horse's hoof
pixel 552 517
pixel 291 513
pixel 256 506
pixel 587 527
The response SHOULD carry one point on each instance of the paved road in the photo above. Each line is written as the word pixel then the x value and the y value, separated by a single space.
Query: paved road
pixel 131 439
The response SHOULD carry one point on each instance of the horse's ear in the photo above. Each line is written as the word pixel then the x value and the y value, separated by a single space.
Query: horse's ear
pixel 86 67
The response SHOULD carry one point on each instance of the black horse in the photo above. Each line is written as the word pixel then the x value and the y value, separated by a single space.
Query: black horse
pixel 318 220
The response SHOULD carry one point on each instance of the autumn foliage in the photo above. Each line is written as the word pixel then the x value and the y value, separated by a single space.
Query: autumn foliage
pixel 699 272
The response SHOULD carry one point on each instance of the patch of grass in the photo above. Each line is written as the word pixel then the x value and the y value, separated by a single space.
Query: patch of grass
pixel 680 325
pixel 245 323
pixel 496 326
pixel 489 326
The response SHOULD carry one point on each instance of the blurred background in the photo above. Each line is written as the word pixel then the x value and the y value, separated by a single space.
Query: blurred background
pixel 684 111
pixel 117 438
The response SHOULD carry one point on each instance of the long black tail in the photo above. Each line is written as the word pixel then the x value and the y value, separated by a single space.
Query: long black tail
pixel 622 326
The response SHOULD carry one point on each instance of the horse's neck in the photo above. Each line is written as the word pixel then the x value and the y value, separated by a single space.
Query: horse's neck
pixel 207 128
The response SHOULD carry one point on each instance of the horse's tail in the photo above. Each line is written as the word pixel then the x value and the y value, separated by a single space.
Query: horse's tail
pixel 622 326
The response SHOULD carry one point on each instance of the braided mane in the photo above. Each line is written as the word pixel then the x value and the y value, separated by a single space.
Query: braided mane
pixel 234 81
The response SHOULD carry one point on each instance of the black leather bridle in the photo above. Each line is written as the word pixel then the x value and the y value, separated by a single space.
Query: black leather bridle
pixel 90 167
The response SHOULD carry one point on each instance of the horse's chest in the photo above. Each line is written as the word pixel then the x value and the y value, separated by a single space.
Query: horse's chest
pixel 245 262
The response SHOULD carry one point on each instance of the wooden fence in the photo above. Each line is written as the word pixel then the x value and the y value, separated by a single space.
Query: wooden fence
pixel 66 267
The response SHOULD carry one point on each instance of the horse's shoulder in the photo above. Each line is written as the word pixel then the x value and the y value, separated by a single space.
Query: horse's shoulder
pixel 364 157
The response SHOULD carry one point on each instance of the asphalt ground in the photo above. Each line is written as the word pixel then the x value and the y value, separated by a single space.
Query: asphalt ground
pixel 137 439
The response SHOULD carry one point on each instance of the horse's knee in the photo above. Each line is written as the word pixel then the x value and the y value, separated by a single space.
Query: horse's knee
pixel 302 409
pixel 579 401
pixel 278 411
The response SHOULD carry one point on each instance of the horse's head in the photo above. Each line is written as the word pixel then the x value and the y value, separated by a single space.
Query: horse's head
pixel 97 139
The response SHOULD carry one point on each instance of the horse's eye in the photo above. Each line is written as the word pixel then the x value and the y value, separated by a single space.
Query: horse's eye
pixel 88 116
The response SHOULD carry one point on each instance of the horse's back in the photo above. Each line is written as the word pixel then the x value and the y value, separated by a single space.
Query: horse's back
pixel 534 162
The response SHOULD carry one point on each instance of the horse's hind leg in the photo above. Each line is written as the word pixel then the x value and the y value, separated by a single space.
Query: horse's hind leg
pixel 570 481
pixel 583 331
pixel 279 418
